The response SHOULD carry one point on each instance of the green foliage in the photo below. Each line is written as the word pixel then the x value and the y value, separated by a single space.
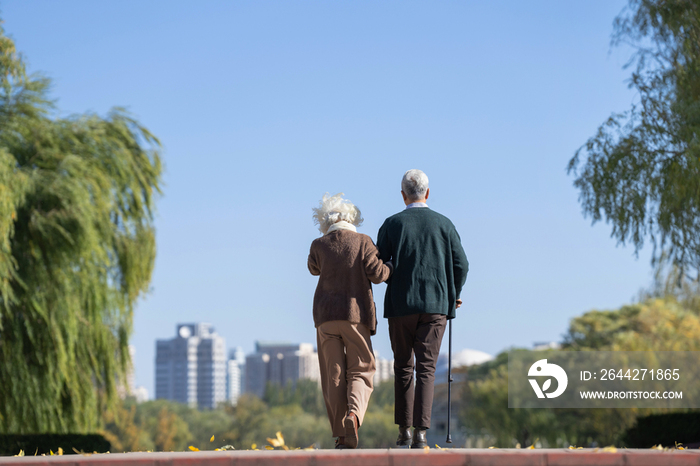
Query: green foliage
pixel 305 394
pixel 654 325
pixel 641 171
pixel 671 282
pixel 77 248
pixel 162 425
pixel 659 324
pixel 122 432
pixel 382 396
pixel 487 410
pixel 250 423
pixel 378 429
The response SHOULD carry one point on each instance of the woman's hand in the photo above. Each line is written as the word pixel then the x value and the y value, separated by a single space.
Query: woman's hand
pixel 458 303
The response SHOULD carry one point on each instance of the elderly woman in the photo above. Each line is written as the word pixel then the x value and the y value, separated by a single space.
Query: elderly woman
pixel 344 313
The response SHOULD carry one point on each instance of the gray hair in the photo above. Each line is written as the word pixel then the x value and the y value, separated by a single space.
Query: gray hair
pixel 333 209
pixel 414 184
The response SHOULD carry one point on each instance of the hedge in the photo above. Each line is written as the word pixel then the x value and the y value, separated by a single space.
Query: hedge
pixel 11 444
pixel 664 429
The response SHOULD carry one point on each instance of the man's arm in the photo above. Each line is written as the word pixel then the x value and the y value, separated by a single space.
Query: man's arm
pixel 383 243
pixel 460 264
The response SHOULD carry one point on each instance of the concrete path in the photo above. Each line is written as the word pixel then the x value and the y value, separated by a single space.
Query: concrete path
pixel 432 457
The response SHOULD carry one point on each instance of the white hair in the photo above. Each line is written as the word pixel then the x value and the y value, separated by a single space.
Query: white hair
pixel 333 209
pixel 414 184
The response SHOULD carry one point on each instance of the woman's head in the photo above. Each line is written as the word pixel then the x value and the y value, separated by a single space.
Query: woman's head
pixel 333 209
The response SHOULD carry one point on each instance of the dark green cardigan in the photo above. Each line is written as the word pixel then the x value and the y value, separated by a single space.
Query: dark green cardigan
pixel 430 266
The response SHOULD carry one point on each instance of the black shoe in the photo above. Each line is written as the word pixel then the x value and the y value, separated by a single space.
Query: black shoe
pixel 340 443
pixel 405 437
pixel 419 439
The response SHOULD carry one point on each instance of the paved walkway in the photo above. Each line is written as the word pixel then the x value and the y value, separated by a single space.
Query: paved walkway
pixel 432 457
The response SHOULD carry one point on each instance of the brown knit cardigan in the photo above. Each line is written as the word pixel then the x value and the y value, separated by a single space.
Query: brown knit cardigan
pixel 347 262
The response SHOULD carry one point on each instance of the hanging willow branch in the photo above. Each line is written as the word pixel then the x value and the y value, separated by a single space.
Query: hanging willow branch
pixel 641 171
pixel 77 248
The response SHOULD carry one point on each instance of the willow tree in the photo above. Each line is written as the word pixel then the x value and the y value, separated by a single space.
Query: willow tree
pixel 641 170
pixel 77 248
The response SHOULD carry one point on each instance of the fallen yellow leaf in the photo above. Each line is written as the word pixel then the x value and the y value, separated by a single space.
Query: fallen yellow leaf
pixel 268 447
pixel 277 442
pixel 21 453
pixel 426 448
pixel 254 446
pixel 211 439
pixel 60 451
pixel 610 449
pixel 194 448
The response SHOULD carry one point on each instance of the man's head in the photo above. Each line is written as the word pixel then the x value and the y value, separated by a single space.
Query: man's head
pixel 414 186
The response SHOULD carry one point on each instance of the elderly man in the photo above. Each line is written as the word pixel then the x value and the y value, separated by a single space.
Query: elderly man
pixel 430 268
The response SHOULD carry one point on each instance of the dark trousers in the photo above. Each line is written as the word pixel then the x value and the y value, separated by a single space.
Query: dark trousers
pixel 419 335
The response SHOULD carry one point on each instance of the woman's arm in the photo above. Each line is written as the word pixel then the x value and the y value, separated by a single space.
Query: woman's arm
pixel 312 262
pixel 376 270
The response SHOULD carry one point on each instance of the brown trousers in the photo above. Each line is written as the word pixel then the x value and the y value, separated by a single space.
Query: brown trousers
pixel 419 334
pixel 347 365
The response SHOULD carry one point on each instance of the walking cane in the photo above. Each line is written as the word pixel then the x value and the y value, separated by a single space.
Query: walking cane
pixel 449 384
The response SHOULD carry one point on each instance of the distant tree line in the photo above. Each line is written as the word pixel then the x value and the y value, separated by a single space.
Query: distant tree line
pixel 298 412
pixel 658 323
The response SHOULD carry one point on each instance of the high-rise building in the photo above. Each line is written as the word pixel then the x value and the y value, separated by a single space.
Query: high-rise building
pixel 235 379
pixel 385 369
pixel 126 387
pixel 191 368
pixel 279 363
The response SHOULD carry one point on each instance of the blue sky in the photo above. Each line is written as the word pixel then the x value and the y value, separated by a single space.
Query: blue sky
pixel 264 106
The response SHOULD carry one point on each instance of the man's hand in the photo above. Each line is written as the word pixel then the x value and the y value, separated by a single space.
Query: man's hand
pixel 459 303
